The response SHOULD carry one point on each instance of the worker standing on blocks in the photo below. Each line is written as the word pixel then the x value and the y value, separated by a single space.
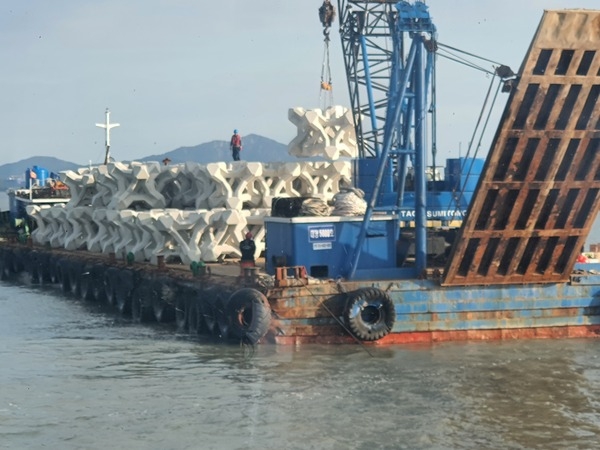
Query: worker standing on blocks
pixel 235 145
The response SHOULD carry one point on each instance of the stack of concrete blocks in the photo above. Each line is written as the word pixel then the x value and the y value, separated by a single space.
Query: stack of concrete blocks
pixel 192 211
pixel 329 134
pixel 57 218
pixel 44 223
pixel 81 227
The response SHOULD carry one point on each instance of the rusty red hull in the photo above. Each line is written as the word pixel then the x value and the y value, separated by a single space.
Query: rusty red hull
pixel 431 337
pixel 296 310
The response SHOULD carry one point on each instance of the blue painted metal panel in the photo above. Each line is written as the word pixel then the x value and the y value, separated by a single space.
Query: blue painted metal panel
pixel 325 244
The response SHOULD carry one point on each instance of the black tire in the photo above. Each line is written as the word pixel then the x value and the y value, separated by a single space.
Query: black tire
pixel 193 317
pixel 369 314
pixel 249 315
pixel 123 291
pixel 45 268
pixel 182 306
pixel 97 283
pixel 4 272
pixel 7 267
pixel 86 283
pixel 196 321
pixel 34 267
pixel 65 279
pixel 141 304
pixel 220 307
pixel 111 279
pixel 2 264
pixel 17 262
pixel 209 317
pixel 75 278
pixel 163 293
pixel 55 272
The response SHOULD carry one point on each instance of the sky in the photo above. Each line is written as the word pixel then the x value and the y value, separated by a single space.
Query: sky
pixel 183 72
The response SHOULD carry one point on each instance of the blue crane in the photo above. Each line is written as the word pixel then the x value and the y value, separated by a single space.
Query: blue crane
pixel 389 56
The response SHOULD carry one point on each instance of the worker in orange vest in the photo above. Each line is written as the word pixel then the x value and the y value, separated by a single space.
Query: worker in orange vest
pixel 236 145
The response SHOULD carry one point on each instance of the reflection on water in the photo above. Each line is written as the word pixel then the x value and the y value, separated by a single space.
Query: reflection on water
pixel 73 376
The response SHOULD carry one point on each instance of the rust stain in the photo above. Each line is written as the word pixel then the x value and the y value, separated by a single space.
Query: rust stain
pixel 584 331
pixel 539 192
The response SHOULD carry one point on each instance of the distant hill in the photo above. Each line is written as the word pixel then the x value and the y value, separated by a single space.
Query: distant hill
pixel 255 148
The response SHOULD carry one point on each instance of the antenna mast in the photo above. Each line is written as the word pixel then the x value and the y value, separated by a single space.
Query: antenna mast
pixel 107 126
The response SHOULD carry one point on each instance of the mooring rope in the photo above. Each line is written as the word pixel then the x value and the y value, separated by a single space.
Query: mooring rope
pixel 314 207
pixel 349 202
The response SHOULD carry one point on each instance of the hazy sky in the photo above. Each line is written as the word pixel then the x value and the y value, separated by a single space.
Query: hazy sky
pixel 183 72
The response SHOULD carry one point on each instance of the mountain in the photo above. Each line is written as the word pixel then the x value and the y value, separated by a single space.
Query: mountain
pixel 255 148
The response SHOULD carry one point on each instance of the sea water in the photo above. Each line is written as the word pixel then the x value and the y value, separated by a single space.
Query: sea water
pixel 74 375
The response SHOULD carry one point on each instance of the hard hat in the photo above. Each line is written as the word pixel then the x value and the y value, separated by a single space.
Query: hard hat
pixel 248 235
pixel 235 131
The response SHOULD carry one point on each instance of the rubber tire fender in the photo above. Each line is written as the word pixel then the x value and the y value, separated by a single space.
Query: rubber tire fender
pixel 111 280
pixel 75 271
pixel 249 315
pixel 196 322
pixel 369 313
pixel 17 265
pixel 7 270
pixel 33 267
pixel 64 266
pixel 55 272
pixel 4 272
pixel 141 303
pixel 207 310
pixel 223 327
pixel 86 283
pixel 182 308
pixel 45 268
pixel 163 299
pixel 123 291
pixel 97 283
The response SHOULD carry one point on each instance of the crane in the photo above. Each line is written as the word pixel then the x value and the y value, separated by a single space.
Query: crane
pixel 327 15
pixel 390 49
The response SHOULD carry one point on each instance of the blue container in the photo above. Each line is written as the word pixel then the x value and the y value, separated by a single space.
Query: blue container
pixel 325 245
pixel 365 173
pixel 42 175
pixel 462 174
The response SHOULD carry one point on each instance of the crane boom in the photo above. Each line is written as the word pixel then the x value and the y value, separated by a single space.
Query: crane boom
pixel 388 52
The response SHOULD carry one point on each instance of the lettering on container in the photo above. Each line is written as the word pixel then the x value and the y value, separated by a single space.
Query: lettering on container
pixel 448 214
pixel 321 233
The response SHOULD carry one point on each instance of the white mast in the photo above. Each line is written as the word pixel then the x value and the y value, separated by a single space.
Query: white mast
pixel 107 126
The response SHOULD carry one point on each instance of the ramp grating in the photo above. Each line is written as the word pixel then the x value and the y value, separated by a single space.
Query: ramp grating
pixel 538 195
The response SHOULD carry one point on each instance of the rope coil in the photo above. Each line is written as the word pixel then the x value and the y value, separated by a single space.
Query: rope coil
pixel 314 207
pixel 349 202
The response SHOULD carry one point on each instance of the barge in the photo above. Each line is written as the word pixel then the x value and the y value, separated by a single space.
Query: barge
pixel 509 271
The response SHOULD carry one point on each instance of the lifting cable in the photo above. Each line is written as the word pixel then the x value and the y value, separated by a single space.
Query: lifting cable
pixel 500 72
pixel 472 144
pixel 326 16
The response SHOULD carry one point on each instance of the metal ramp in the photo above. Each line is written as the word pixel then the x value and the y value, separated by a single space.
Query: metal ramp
pixel 538 195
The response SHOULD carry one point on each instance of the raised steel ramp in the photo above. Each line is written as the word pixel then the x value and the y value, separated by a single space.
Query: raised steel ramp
pixel 538 195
